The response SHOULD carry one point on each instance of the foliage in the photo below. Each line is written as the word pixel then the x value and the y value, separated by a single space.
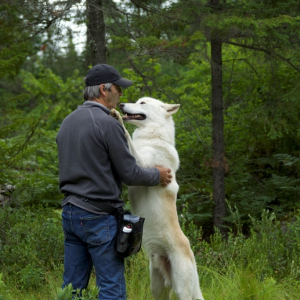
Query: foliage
pixel 166 54
pixel 28 150
pixel 28 100
pixel 14 47
pixel 268 252
pixel 171 58
pixel 68 293
pixel 264 265
pixel 254 266
pixel 242 285
pixel 31 244
pixel 260 266
pixel 3 290
pixel 36 181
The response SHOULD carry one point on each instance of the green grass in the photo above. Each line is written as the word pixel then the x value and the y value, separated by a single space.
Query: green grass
pixel 240 284
pixel 234 284
pixel 263 266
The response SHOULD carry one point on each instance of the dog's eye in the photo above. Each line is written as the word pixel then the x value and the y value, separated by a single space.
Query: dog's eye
pixel 143 103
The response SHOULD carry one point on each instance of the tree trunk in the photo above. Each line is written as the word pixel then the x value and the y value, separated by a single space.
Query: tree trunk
pixel 218 136
pixel 96 44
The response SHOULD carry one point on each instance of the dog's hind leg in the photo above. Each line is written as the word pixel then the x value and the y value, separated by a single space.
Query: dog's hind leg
pixel 185 282
pixel 158 289
pixel 160 277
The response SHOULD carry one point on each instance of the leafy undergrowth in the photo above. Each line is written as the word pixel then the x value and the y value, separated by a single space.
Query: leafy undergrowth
pixel 263 266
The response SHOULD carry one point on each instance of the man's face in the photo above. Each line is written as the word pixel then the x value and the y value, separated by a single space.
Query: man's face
pixel 113 96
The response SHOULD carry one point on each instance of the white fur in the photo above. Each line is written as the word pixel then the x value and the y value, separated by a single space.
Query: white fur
pixel 172 262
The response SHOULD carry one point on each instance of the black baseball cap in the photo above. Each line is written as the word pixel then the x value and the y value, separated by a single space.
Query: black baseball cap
pixel 104 73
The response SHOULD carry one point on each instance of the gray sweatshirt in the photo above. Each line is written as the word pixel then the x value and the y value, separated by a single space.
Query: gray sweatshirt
pixel 94 159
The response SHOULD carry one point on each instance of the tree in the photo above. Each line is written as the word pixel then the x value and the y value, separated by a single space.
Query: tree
pixel 232 28
pixel 232 65
pixel 163 24
pixel 218 164
pixel 23 22
pixel 270 27
pixel 96 39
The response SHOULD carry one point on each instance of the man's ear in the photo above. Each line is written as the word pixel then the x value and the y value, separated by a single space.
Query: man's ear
pixel 102 89
pixel 171 108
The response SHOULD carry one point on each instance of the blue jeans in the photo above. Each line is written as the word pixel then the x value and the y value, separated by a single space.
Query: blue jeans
pixel 89 241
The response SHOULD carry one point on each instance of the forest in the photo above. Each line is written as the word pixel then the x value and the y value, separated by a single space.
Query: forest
pixel 232 65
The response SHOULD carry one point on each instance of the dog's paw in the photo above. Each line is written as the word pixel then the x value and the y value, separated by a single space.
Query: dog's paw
pixel 115 114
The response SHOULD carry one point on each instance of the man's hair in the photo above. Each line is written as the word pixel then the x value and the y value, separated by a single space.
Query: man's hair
pixel 93 92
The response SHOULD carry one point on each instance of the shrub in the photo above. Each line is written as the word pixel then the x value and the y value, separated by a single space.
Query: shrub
pixel 31 243
pixel 68 293
pixel 268 252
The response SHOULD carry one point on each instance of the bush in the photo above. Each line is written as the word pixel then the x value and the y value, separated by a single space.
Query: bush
pixel 264 265
pixel 31 244
pixel 268 252
pixel 68 293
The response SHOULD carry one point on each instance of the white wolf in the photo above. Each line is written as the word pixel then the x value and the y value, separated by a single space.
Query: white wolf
pixel 172 262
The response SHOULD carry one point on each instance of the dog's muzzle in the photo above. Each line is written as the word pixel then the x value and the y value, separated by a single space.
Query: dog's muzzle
pixel 129 116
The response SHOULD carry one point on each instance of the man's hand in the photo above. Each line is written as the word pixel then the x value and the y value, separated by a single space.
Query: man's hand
pixel 165 175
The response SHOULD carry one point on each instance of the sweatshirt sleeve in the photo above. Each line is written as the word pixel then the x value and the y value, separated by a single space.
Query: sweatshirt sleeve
pixel 124 162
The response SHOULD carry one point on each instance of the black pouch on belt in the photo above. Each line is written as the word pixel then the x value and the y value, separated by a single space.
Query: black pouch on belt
pixel 129 236
pixel 130 228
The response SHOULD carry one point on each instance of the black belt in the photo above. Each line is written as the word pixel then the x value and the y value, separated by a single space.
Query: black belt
pixel 105 207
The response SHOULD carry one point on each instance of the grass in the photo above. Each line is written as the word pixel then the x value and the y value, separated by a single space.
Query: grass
pixel 235 284
pixel 263 266
pixel 240 284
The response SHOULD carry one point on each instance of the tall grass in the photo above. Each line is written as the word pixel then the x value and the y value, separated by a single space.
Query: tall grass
pixel 263 266
pixel 239 284
pixel 235 284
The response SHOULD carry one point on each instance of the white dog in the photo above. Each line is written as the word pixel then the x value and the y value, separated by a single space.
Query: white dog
pixel 172 262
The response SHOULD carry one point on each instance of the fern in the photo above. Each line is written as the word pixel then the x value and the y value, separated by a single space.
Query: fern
pixel 288 160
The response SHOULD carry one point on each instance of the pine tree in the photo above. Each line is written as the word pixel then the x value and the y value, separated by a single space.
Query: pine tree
pixel 169 32
pixel 96 33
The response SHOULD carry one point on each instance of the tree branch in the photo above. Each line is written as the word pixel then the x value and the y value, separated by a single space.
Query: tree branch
pixel 265 51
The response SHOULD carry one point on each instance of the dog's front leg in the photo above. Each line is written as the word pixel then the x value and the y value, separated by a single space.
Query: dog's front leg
pixel 115 114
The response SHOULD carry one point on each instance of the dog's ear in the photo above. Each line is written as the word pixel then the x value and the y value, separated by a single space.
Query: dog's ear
pixel 171 108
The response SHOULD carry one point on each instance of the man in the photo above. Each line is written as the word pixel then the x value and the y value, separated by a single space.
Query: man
pixel 94 161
